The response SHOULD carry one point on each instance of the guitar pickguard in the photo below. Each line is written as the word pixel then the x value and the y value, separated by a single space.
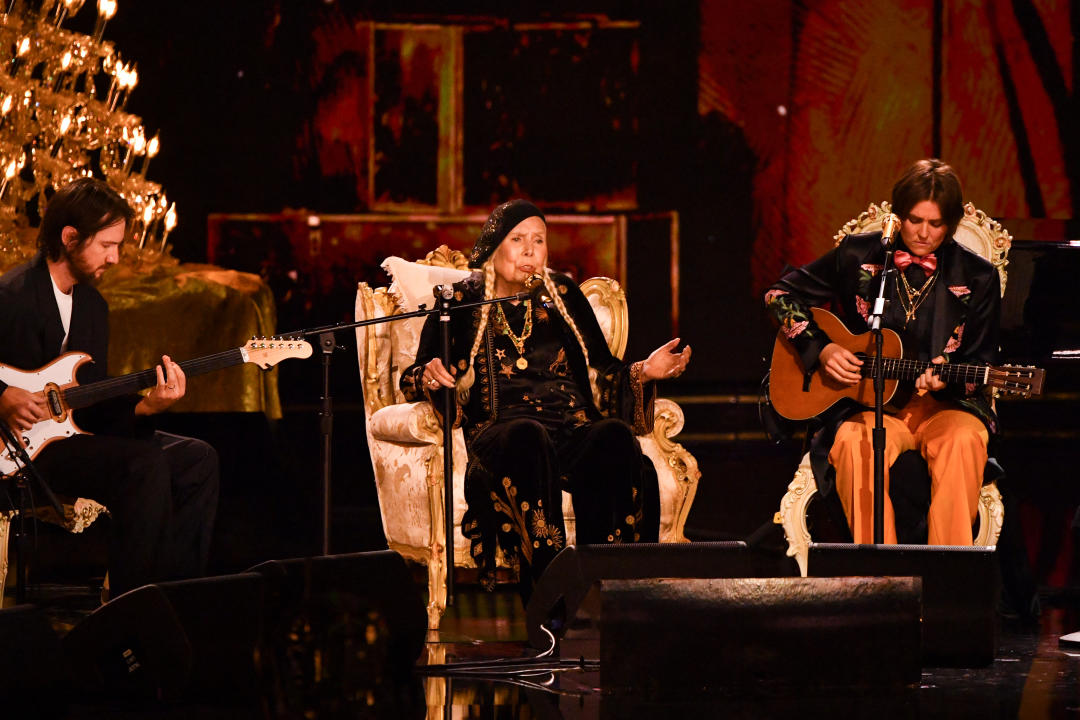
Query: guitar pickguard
pixel 51 379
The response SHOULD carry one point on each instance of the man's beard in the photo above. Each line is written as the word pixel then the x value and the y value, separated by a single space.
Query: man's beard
pixel 80 269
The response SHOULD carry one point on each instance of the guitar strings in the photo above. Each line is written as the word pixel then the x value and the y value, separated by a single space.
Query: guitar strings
pixel 83 395
pixel 902 367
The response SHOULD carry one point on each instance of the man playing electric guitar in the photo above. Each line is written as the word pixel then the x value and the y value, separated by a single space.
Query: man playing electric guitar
pixel 944 303
pixel 161 490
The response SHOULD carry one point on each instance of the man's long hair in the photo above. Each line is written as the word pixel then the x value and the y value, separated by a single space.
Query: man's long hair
pixel 88 205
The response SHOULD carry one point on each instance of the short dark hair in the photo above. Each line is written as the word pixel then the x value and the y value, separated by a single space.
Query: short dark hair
pixel 89 205
pixel 930 179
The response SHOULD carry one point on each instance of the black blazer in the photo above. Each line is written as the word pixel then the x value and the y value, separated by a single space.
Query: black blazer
pixel 31 333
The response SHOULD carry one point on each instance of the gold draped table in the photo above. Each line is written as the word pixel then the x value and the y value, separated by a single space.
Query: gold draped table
pixel 188 311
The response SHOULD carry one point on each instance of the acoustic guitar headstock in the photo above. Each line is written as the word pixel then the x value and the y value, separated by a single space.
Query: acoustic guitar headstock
pixel 1016 380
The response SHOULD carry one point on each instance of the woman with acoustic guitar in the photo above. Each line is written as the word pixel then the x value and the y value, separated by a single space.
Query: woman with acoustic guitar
pixel 943 301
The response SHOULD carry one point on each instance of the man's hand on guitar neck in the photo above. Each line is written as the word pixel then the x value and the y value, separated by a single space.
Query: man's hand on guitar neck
pixel 21 409
pixel 929 380
pixel 840 364
pixel 166 392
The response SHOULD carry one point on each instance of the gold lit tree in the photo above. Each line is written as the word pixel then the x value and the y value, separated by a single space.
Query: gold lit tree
pixel 62 116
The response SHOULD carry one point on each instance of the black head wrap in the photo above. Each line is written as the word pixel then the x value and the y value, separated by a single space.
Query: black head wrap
pixel 502 220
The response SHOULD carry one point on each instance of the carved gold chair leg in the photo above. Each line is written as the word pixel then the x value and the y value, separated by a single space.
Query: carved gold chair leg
pixel 437 563
pixel 668 422
pixel 5 535
pixel 991 516
pixel 792 513
pixel 436 606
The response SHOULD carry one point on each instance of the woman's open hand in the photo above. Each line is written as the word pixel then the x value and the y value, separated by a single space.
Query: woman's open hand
pixel 665 363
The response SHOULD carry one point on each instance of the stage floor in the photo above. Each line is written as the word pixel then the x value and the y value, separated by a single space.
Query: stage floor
pixel 1031 677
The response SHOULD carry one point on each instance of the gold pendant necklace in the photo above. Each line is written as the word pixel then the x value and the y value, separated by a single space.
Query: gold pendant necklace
pixel 915 298
pixel 519 342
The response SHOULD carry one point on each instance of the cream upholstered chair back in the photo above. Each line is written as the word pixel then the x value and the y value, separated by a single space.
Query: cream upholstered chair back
pixel 405 439
pixel 978 233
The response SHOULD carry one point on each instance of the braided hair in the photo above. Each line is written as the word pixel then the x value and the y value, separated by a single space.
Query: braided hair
pixel 466 381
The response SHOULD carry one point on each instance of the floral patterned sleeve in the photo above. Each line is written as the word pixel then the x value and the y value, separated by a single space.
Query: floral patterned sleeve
pixel 789 302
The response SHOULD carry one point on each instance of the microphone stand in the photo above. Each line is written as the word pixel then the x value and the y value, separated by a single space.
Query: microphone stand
pixel 18 452
pixel 444 296
pixel 876 315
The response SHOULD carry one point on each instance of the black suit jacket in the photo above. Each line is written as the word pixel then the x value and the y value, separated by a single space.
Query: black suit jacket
pixel 31 333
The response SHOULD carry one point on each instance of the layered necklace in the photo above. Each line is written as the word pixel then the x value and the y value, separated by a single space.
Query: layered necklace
pixel 518 340
pixel 911 299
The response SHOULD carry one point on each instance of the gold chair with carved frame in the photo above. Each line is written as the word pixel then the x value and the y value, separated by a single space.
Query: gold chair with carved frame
pixel 405 439
pixel 978 233
pixel 79 514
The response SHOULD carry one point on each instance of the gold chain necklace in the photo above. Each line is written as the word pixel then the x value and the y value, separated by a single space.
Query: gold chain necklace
pixel 915 298
pixel 519 342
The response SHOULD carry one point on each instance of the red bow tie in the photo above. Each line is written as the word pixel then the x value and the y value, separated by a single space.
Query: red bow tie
pixel 927 262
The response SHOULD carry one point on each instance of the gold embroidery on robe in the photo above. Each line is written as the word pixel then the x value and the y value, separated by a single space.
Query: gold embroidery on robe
pixel 560 368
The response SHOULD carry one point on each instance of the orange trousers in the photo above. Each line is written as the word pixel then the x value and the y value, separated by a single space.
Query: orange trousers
pixel 952 441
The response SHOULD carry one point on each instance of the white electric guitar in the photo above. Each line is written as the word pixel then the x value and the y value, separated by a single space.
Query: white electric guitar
pixel 63 394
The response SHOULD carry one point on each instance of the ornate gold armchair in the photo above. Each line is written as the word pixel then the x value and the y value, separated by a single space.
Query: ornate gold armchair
pixel 978 233
pixel 405 439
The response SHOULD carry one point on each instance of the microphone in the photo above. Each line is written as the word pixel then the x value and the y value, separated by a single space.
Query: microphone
pixel 534 281
pixel 443 292
pixel 889 225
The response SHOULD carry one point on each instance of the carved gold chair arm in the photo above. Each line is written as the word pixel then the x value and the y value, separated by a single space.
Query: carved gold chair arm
pixel 78 514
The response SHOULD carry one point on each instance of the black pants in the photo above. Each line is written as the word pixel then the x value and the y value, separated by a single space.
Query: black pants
pixel 161 492
pixel 517 472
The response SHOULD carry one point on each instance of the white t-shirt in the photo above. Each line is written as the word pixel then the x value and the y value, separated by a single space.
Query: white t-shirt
pixel 63 302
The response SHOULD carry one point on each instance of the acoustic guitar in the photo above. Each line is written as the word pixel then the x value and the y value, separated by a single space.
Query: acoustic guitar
pixel 800 396
pixel 63 394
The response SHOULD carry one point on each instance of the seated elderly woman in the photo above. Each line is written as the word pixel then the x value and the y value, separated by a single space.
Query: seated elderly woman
pixel 544 405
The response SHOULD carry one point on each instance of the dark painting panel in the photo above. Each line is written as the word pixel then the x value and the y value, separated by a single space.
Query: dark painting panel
pixel 551 114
